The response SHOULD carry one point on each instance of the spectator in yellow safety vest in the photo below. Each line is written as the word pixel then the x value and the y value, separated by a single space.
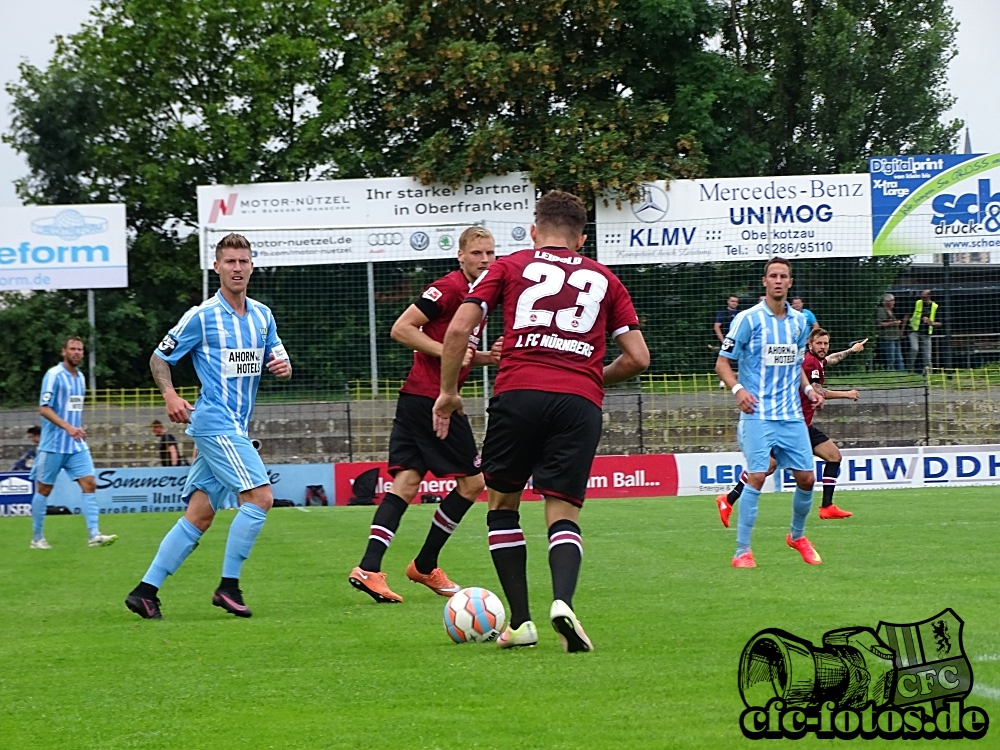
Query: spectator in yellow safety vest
pixel 924 320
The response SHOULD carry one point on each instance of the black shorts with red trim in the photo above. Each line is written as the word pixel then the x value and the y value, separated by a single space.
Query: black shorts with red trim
pixel 816 436
pixel 550 436
pixel 413 444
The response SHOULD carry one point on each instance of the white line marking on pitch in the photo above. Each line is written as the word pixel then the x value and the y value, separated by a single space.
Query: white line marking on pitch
pixel 987 657
pixel 302 510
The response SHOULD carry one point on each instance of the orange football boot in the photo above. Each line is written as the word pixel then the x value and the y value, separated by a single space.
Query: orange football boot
pixel 374 585
pixel 804 548
pixel 725 509
pixel 437 580
pixel 744 561
pixel 832 511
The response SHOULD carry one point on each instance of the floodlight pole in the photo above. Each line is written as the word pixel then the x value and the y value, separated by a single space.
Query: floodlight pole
pixel 486 376
pixel 92 361
pixel 372 338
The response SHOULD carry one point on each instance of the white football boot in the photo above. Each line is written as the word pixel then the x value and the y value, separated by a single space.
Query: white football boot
pixel 526 635
pixel 570 630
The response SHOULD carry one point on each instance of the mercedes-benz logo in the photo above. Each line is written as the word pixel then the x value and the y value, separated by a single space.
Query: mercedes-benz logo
pixel 653 204
pixel 518 233
pixel 385 238
pixel 420 241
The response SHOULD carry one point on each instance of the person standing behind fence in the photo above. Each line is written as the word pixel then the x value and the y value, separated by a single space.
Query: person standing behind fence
pixel 889 335
pixel 810 318
pixel 922 324
pixel 724 319
pixel 27 458
pixel 167 445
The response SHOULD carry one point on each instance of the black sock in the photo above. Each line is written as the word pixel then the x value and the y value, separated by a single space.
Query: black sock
pixel 145 590
pixel 229 584
pixel 830 472
pixel 565 554
pixel 510 558
pixel 735 492
pixel 447 516
pixel 384 525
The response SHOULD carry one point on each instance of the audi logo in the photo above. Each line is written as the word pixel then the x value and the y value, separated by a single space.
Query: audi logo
pixel 385 238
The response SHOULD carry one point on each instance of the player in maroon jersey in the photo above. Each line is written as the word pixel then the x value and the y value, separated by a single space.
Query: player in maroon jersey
pixel 414 449
pixel 814 366
pixel 545 416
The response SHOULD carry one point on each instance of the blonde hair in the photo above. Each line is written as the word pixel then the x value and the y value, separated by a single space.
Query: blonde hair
pixel 472 234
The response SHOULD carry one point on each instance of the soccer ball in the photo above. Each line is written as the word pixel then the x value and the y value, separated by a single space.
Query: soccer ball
pixel 475 615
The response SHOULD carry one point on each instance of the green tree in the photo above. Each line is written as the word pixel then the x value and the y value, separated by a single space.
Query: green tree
pixel 146 102
pixel 576 93
pixel 817 86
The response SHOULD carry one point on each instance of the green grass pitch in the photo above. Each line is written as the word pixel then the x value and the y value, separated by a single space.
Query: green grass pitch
pixel 322 666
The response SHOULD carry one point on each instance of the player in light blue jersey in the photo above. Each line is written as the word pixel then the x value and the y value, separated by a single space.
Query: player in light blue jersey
pixel 63 446
pixel 769 341
pixel 231 339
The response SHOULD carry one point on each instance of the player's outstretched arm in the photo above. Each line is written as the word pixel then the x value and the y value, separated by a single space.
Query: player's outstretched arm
pixel 406 330
pixel 178 410
pixel 852 394
pixel 455 345
pixel 841 356
pixel 77 433
pixel 633 360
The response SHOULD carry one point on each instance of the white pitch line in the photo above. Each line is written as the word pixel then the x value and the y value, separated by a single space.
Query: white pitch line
pixel 302 510
pixel 986 657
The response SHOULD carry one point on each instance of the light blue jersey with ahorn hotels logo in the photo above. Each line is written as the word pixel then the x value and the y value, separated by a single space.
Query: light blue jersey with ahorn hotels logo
pixel 769 351
pixel 64 392
pixel 229 353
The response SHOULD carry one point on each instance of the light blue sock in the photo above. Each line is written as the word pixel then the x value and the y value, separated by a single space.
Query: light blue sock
pixel 802 502
pixel 90 513
pixel 747 511
pixel 242 535
pixel 39 504
pixel 174 549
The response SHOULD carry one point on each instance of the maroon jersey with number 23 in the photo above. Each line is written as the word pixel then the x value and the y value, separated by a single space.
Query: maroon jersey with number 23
pixel 558 308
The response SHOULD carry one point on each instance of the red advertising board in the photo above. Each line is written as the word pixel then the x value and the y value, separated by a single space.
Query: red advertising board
pixel 610 477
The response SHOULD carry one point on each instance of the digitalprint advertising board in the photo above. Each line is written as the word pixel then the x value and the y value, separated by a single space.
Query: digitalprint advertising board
pixel 697 221
pixel 348 221
pixel 935 204
pixel 63 247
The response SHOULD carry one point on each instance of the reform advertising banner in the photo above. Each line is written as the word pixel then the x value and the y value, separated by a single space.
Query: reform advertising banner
pixel 63 247
pixel 349 221
pixel 935 204
pixel 696 221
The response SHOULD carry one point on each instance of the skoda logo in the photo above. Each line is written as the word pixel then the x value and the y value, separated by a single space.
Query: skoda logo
pixel 420 241
pixel 518 233
pixel 385 238
pixel 653 204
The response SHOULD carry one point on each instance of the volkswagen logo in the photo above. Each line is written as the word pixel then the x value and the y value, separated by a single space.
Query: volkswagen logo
pixel 653 204
pixel 385 238
pixel 518 233
pixel 420 241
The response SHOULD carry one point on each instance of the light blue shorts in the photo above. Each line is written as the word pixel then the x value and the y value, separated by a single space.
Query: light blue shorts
pixel 226 464
pixel 788 439
pixel 48 465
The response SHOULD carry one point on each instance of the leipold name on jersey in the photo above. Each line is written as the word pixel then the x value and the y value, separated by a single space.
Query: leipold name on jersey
pixel 64 392
pixel 769 352
pixel 815 370
pixel 438 302
pixel 229 353
pixel 558 308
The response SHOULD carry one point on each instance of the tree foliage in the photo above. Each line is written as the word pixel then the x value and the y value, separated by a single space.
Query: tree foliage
pixel 151 99
pixel 820 85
